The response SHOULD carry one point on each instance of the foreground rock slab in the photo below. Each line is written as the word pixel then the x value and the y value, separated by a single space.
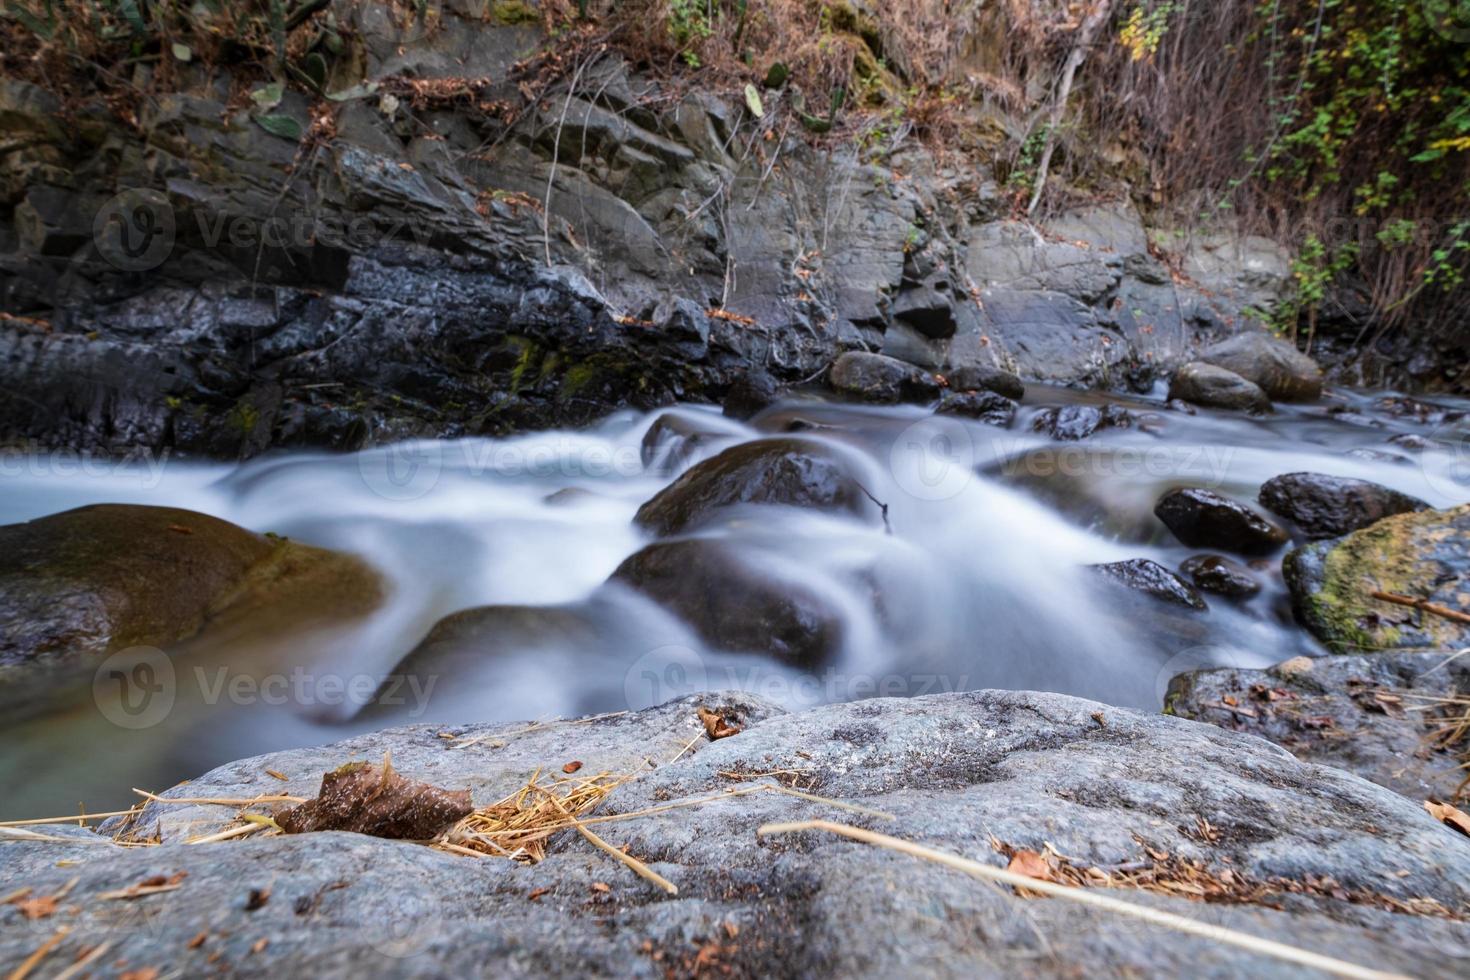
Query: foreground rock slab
pixel 1370 715
pixel 958 772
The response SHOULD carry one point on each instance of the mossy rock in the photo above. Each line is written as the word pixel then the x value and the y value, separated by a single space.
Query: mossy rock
pixel 1423 555
pixel 79 585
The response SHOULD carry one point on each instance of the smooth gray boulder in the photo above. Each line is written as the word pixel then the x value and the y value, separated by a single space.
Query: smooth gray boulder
pixel 882 379
pixel 1278 368
pixel 1214 387
pixel 962 773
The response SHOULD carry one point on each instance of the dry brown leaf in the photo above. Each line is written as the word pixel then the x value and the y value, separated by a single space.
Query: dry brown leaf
pixel 715 725
pixel 536 893
pixel 1451 816
pixel 40 907
pixel 147 973
pixel 1030 864
pixel 198 940
pixel 601 886
pixel 377 801
pixel 571 767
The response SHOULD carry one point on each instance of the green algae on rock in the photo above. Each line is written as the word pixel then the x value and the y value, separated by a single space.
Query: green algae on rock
pixel 1424 555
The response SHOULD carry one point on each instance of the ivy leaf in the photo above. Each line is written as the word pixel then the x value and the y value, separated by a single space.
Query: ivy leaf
pixel 280 125
pixel 753 101
pixel 269 96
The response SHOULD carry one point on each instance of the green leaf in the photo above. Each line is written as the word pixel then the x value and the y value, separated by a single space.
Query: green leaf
pixel 269 96
pixel 314 66
pixel 280 125
pixel 182 52
pixel 753 101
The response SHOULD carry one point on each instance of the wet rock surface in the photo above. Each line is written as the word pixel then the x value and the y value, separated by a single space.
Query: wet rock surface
pixel 1069 423
pixel 1371 715
pixel 985 377
pixel 1205 519
pixel 1220 575
pixel 1323 506
pixel 983 406
pixel 1279 369
pixel 790 472
pixel 1424 555
pixel 1215 387
pixel 957 771
pixel 881 379
pixel 1151 579
pixel 675 438
pixel 734 603
pixel 85 583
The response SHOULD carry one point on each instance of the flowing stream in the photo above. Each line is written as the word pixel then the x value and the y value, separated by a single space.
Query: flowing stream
pixel 977 581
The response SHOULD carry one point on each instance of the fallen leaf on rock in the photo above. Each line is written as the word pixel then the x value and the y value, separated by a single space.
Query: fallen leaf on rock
pixel 1450 816
pixel 715 725
pixel 1030 864
pixel 147 973
pixel 571 767
pixel 40 907
pixel 601 886
pixel 260 945
pixel 536 894
pixel 198 940
pixel 374 800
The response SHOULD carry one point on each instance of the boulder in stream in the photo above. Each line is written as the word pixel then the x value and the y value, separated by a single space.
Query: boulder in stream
pixel 733 603
pixel 1302 854
pixel 88 582
pixel 674 438
pixel 1198 383
pixel 1220 575
pixel 1276 366
pixel 1152 579
pixel 1324 506
pixel 1069 423
pixel 882 379
pixel 1421 556
pixel 793 472
pixel 985 377
pixel 1205 519
pixel 983 406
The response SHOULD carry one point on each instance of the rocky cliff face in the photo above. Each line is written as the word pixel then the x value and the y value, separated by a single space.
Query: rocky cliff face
pixel 405 262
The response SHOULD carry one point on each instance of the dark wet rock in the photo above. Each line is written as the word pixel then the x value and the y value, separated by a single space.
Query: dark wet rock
pixel 984 406
pixel 1279 369
pixel 1214 387
pixel 1152 579
pixel 882 379
pixel 954 770
pixel 985 377
pixel 733 603
pixel 792 472
pixel 1423 555
pixel 1377 456
pixel 674 438
pixel 1070 423
pixel 1205 519
pixel 928 308
pixel 1411 442
pixel 750 395
pixel 1363 714
pixel 77 586
pixel 1416 410
pixel 1325 506
pixel 485 633
pixel 1220 575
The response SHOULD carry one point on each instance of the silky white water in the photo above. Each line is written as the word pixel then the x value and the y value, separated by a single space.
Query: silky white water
pixel 978 579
